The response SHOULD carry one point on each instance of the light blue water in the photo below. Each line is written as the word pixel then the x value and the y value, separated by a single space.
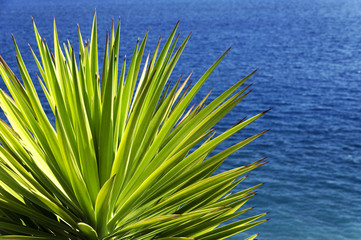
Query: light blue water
pixel 309 55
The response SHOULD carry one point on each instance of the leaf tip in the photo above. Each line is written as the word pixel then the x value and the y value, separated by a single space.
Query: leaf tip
pixel 267 111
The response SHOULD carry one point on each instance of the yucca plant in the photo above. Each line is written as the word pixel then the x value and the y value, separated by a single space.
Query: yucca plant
pixel 127 157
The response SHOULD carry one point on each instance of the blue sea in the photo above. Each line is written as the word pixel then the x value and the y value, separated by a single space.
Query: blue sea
pixel 309 57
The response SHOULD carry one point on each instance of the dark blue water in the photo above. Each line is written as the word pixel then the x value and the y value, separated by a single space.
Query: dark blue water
pixel 309 55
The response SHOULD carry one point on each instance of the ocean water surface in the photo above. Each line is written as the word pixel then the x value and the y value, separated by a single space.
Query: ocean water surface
pixel 309 57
